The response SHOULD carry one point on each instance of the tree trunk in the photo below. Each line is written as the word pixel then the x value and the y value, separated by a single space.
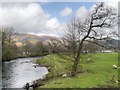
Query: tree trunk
pixel 74 68
pixel 77 60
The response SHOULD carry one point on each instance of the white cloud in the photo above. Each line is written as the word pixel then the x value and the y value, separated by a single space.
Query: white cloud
pixel 67 11
pixel 113 4
pixel 24 18
pixel 28 18
pixel 82 13
pixel 53 23
pixel 31 18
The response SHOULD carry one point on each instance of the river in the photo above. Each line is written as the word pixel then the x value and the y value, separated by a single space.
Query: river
pixel 18 72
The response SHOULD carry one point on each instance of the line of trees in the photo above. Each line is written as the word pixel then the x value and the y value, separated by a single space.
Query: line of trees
pixel 11 51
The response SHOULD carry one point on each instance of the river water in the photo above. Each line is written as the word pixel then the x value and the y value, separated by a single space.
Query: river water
pixel 18 72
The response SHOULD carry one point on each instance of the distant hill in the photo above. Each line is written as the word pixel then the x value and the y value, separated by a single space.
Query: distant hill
pixel 114 42
pixel 33 39
pixel 110 43
pixel 22 38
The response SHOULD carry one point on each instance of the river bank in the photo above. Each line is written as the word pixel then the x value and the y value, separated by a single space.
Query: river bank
pixel 95 73
pixel 22 56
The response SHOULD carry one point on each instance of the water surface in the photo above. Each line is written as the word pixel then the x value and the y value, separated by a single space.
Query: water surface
pixel 18 72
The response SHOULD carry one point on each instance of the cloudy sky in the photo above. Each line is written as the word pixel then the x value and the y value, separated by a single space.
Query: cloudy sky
pixel 40 18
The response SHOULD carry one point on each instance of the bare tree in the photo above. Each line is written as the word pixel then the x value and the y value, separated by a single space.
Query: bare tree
pixel 88 30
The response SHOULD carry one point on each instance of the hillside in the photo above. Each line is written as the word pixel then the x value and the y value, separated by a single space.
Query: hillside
pixel 22 38
pixel 114 42
pixel 110 43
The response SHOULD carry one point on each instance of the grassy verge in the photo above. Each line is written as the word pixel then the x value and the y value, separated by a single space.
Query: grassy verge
pixel 97 72
pixel 56 64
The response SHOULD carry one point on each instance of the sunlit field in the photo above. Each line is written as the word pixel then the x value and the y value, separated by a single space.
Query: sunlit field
pixel 95 73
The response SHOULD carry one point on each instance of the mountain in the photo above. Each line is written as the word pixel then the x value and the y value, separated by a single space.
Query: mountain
pixel 114 42
pixel 33 39
pixel 110 43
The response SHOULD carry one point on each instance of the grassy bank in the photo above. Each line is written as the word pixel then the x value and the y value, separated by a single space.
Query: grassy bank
pixel 96 72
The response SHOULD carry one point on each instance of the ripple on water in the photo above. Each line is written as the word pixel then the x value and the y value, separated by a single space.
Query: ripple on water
pixel 18 72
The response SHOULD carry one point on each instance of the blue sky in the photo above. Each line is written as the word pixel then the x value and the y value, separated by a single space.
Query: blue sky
pixel 54 8
pixel 48 18
pixel 40 18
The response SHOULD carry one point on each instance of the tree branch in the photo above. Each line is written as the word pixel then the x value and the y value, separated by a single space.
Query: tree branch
pixel 97 44
pixel 98 38
pixel 96 10
pixel 100 25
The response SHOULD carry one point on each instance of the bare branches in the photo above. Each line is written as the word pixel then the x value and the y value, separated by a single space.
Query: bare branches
pixel 97 8
pixel 103 15
pixel 97 44
pixel 105 38
pixel 81 31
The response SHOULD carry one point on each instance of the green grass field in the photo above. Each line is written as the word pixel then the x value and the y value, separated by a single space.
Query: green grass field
pixel 97 72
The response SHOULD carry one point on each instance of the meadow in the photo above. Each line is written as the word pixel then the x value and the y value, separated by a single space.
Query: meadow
pixel 93 72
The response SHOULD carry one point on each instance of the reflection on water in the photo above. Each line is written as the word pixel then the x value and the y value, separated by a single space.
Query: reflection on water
pixel 18 72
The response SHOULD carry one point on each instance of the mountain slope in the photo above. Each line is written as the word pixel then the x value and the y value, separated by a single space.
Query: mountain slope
pixel 23 38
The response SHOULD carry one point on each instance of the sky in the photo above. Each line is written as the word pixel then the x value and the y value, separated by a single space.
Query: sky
pixel 43 18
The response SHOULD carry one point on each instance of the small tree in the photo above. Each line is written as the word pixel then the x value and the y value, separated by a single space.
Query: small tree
pixel 8 46
pixel 88 30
